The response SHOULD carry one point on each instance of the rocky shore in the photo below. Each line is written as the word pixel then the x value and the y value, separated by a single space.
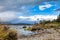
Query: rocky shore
pixel 46 34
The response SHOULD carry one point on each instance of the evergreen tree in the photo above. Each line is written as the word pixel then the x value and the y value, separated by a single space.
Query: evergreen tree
pixel 58 18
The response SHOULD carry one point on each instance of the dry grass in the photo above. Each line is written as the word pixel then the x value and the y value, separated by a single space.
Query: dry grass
pixel 7 33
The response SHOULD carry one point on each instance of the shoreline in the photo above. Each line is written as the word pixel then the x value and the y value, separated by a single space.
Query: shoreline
pixel 49 34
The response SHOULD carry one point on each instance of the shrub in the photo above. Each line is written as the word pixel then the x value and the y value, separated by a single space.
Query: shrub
pixel 7 33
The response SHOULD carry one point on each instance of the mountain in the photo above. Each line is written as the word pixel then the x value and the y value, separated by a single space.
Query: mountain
pixel 18 22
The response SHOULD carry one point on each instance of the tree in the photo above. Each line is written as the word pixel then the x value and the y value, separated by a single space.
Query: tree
pixel 45 21
pixel 58 18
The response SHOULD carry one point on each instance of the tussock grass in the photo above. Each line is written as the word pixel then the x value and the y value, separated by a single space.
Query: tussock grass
pixel 7 34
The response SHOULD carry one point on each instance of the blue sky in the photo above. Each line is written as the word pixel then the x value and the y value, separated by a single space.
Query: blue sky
pixel 28 11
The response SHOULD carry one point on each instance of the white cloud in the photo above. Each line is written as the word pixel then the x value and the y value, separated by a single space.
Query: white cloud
pixel 40 17
pixel 23 2
pixel 43 7
pixel 7 16
pixel 13 4
pixel 1 7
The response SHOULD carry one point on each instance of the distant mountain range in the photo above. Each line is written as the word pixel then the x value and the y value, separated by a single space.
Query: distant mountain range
pixel 16 23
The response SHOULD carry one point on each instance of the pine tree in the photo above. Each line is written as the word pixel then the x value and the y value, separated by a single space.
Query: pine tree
pixel 58 18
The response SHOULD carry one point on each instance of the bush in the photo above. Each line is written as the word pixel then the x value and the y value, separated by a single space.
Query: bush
pixel 7 34
pixel 11 36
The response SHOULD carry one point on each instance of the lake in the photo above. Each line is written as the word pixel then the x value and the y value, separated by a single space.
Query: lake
pixel 21 30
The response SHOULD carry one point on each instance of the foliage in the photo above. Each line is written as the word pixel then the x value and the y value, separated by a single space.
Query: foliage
pixel 7 33
pixel 45 21
pixel 46 24
pixel 58 18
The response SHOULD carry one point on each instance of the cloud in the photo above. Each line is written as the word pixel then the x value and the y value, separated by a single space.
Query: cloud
pixel 8 9
pixel 40 17
pixel 57 9
pixel 14 5
pixel 22 2
pixel 43 7
pixel 7 16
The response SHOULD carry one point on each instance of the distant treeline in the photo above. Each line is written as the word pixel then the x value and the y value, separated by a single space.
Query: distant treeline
pixel 18 24
pixel 53 21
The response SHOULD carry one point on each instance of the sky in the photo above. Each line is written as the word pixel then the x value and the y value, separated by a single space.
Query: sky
pixel 28 11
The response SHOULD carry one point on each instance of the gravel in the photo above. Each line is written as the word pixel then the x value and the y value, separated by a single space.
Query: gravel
pixel 48 34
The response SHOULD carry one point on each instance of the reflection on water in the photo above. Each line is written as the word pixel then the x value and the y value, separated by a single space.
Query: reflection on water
pixel 25 32
pixel 21 31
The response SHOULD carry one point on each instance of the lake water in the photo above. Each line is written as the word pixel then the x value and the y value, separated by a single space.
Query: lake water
pixel 21 31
